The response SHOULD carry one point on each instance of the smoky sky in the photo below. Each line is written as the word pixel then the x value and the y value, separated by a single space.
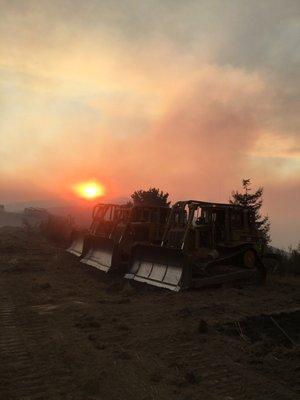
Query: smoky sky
pixel 191 96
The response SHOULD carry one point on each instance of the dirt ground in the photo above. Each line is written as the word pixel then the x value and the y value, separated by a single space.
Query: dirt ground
pixel 70 332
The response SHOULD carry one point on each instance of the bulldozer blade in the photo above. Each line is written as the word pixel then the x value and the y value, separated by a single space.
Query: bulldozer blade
pixel 100 253
pixel 166 267
pixel 159 266
pixel 77 244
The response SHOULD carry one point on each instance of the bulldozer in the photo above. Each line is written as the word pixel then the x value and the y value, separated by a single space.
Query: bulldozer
pixel 203 244
pixel 57 228
pixel 34 216
pixel 104 217
pixel 138 224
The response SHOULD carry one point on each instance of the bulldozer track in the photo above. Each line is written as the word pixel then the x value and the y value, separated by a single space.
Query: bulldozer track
pixel 25 373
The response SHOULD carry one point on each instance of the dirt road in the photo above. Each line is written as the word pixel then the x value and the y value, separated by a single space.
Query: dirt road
pixel 69 332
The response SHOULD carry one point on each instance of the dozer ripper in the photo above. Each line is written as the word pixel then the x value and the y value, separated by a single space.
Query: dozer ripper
pixel 104 217
pixel 203 244
pixel 139 224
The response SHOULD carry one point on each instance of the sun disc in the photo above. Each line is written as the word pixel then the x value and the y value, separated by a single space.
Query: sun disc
pixel 89 190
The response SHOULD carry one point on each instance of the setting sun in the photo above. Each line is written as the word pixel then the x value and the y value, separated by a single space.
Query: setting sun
pixel 89 190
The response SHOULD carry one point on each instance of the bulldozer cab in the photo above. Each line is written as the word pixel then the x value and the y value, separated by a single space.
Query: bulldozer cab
pixel 193 225
pixel 145 224
pixel 104 216
pixel 104 220
pixel 119 222
pixel 230 225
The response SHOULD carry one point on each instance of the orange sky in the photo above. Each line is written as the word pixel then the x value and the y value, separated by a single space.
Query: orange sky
pixel 188 96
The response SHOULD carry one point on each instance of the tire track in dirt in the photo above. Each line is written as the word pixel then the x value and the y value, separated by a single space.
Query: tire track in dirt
pixel 25 373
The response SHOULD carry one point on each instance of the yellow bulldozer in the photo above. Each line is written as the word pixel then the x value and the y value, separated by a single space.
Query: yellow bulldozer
pixel 134 225
pixel 203 244
pixel 104 219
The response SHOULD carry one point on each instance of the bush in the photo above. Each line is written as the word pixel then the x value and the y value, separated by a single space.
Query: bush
pixel 291 261
pixel 284 262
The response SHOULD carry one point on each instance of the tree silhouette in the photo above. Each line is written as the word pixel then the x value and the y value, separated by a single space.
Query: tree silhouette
pixel 150 197
pixel 253 201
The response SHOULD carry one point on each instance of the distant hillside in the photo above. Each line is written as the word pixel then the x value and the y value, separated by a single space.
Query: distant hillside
pixel 82 215
pixel 10 219
pixel 18 206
